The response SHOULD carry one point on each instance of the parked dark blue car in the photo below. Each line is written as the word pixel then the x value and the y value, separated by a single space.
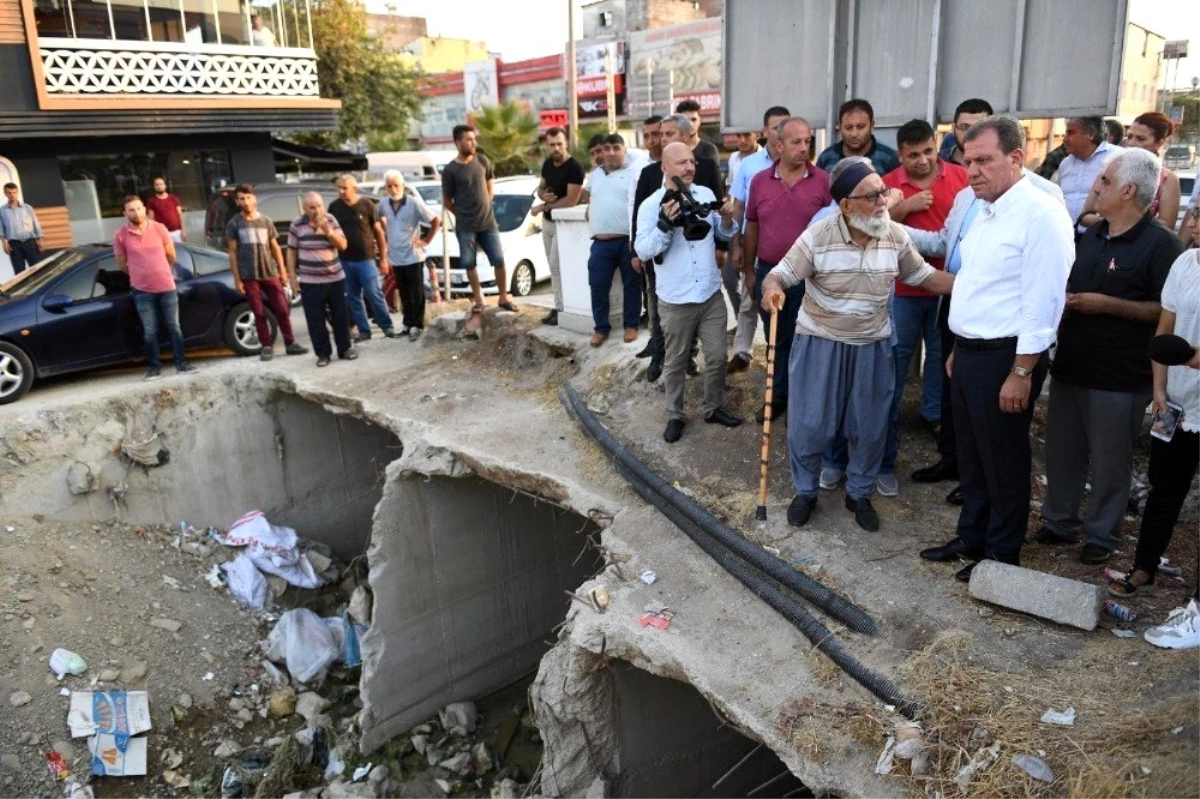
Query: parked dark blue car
pixel 75 311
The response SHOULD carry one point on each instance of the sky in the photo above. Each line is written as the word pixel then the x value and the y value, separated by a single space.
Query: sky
pixel 540 26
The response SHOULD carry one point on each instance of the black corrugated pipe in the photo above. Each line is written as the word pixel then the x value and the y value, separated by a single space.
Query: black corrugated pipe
pixel 782 602
pixel 830 602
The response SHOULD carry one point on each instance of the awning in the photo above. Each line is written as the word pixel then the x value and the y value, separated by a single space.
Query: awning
pixel 290 157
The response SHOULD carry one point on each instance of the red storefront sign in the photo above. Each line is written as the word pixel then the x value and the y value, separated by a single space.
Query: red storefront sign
pixel 597 85
pixel 553 118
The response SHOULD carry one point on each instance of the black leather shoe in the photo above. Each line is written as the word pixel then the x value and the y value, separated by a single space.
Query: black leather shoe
pixel 951 550
pixel 864 514
pixel 800 510
pixel 674 431
pixel 942 470
pixel 955 496
pixel 550 318
pixel 778 411
pixel 692 369
pixel 721 417
pixel 654 370
pixel 1046 536
pixel 963 575
pixel 650 350
pixel 1094 554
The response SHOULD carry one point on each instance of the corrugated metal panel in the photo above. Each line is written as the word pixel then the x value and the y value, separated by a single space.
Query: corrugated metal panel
pixel 12 24
pixel 32 124
pixel 891 57
pixel 56 226
pixel 972 65
pixel 1068 56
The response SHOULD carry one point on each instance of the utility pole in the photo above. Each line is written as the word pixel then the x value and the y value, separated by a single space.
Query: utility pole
pixel 572 99
pixel 610 88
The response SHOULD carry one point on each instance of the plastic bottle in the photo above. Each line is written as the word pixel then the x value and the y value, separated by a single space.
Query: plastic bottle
pixel 64 661
pixel 1118 611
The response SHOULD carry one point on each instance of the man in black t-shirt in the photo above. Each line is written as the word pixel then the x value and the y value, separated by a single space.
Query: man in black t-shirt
pixel 1101 380
pixel 561 185
pixel 364 259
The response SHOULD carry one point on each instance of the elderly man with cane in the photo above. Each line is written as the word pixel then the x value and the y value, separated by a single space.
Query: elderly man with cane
pixel 840 369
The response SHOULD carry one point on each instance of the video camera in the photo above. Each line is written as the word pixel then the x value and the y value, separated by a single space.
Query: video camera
pixel 693 215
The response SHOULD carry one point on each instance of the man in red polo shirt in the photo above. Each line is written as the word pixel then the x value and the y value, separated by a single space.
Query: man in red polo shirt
pixel 165 208
pixel 780 204
pixel 929 186
pixel 145 252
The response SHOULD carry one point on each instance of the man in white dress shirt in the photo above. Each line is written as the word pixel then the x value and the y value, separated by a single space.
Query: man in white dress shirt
pixel 1088 153
pixel 688 287
pixel 1009 296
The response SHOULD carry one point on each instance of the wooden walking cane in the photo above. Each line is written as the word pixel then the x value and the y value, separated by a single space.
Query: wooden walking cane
pixel 761 513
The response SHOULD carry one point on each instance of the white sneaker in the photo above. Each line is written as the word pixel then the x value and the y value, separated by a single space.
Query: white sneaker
pixel 1181 630
pixel 831 478
pixel 887 486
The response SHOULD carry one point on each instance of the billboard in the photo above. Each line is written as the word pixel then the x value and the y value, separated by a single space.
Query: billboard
pixel 590 58
pixel 480 85
pixel 679 62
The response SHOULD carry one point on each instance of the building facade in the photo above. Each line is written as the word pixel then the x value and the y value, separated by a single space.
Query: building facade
pixel 102 97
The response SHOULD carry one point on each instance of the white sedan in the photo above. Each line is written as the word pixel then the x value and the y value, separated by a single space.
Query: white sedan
pixel 520 237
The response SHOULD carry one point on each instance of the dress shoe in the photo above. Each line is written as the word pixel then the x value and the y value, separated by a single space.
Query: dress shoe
pixel 631 335
pixel 963 575
pixel 721 417
pixel 942 470
pixel 930 427
pixel 674 431
pixel 738 363
pixel 799 512
pixel 1094 554
pixel 550 318
pixel 654 370
pixel 648 351
pixel 1046 536
pixel 864 513
pixel 778 411
pixel 951 550
pixel 598 339
pixel 692 369
pixel 955 496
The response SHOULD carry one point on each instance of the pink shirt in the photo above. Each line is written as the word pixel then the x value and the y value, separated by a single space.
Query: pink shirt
pixel 783 212
pixel 145 255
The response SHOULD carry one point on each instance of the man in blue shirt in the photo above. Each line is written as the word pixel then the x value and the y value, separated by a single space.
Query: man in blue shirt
pixel 856 123
pixel 967 114
pixel 19 230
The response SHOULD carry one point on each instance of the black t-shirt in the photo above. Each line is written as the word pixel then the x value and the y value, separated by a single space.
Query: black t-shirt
pixel 706 149
pixel 1102 351
pixel 559 176
pixel 358 223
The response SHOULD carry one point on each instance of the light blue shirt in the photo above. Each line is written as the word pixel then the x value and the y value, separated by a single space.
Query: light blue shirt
pixel 688 271
pixel 19 223
pixel 401 226
pixel 1076 177
pixel 954 262
pixel 824 213
pixel 609 193
pixel 748 167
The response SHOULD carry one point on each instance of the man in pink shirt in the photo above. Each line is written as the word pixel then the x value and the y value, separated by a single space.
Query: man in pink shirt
pixel 145 252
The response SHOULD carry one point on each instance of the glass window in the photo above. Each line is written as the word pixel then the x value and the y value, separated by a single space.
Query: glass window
pixel 79 284
pixel 510 210
pixel 105 180
pixel 129 20
pixel 166 21
pixel 53 18
pixel 110 279
pixel 209 262
pixel 280 23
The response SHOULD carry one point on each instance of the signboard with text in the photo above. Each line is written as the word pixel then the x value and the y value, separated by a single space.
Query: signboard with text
pixel 552 118
pixel 480 86
pixel 669 64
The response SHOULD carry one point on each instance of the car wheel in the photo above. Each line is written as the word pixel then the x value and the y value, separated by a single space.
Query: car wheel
pixel 522 279
pixel 241 336
pixel 16 373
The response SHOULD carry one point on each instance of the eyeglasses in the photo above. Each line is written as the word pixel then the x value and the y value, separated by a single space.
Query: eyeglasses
pixel 871 196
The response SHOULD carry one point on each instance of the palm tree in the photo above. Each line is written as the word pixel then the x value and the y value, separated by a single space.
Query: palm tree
pixel 509 137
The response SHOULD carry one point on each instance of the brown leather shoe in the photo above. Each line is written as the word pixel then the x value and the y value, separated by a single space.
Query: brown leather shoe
pixel 599 338
pixel 630 335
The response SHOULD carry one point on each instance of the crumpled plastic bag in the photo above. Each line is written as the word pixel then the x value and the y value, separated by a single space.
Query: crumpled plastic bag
pixel 274 550
pixel 246 582
pixel 303 642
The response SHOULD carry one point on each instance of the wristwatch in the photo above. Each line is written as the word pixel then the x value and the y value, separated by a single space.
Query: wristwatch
pixel 1021 371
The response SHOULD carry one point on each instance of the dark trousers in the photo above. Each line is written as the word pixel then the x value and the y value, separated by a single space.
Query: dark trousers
pixel 947 447
pixel 410 282
pixel 1172 467
pixel 319 299
pixel 24 253
pixel 786 331
pixel 607 257
pixel 270 292
pixel 155 309
pixel 994 456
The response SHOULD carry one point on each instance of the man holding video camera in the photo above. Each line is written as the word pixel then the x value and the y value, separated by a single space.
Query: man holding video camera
pixel 676 227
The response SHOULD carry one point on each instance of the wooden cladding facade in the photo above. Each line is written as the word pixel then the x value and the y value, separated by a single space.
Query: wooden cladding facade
pixel 12 24
pixel 56 227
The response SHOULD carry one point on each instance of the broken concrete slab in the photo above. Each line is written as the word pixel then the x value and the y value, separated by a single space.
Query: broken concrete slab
pixel 451 323
pixel 1070 602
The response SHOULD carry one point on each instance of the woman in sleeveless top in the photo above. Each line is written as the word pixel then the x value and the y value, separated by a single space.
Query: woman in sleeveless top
pixel 1150 131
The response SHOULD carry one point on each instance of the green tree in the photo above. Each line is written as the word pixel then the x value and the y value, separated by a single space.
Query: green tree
pixel 389 142
pixel 378 92
pixel 509 138
pixel 586 131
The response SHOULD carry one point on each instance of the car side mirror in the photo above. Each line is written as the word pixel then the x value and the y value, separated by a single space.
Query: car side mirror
pixel 57 303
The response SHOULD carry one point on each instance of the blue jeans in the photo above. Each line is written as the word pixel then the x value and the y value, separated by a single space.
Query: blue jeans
pixel 838 455
pixel 792 297
pixel 362 277
pixel 606 258
pixel 488 239
pixel 154 308
pixel 915 319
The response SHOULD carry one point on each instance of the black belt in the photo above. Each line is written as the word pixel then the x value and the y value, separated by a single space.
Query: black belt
pixel 985 343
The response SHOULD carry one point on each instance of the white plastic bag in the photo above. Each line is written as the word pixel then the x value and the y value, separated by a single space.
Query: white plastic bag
pixel 64 662
pixel 246 582
pixel 303 642
pixel 274 550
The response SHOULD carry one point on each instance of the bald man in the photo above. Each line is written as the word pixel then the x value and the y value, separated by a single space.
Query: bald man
pixel 314 240
pixel 688 287
pixel 841 370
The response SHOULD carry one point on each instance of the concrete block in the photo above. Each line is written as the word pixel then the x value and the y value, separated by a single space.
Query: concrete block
pixel 1058 599
pixel 451 323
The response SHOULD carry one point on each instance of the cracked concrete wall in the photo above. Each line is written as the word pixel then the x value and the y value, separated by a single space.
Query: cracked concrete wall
pixel 468 579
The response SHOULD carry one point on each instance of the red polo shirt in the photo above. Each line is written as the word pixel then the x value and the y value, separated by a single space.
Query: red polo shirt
pixel 783 212
pixel 166 210
pixel 950 180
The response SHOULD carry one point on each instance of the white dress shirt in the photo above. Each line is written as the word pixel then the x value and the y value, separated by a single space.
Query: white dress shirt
pixel 608 203
pixel 1015 264
pixel 1076 176
pixel 688 272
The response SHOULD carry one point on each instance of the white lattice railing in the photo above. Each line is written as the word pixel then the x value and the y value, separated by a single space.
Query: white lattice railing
pixel 97 68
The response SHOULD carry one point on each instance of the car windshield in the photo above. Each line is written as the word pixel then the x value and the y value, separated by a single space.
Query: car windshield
pixel 510 210
pixel 1186 185
pixel 33 280
pixel 430 194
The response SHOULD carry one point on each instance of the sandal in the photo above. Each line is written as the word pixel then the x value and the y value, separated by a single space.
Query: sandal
pixel 476 309
pixel 508 306
pixel 321 362
pixel 351 355
pixel 1127 588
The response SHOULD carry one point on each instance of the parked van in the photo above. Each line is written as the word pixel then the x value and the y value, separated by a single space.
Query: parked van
pixel 413 164
pixel 1179 156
